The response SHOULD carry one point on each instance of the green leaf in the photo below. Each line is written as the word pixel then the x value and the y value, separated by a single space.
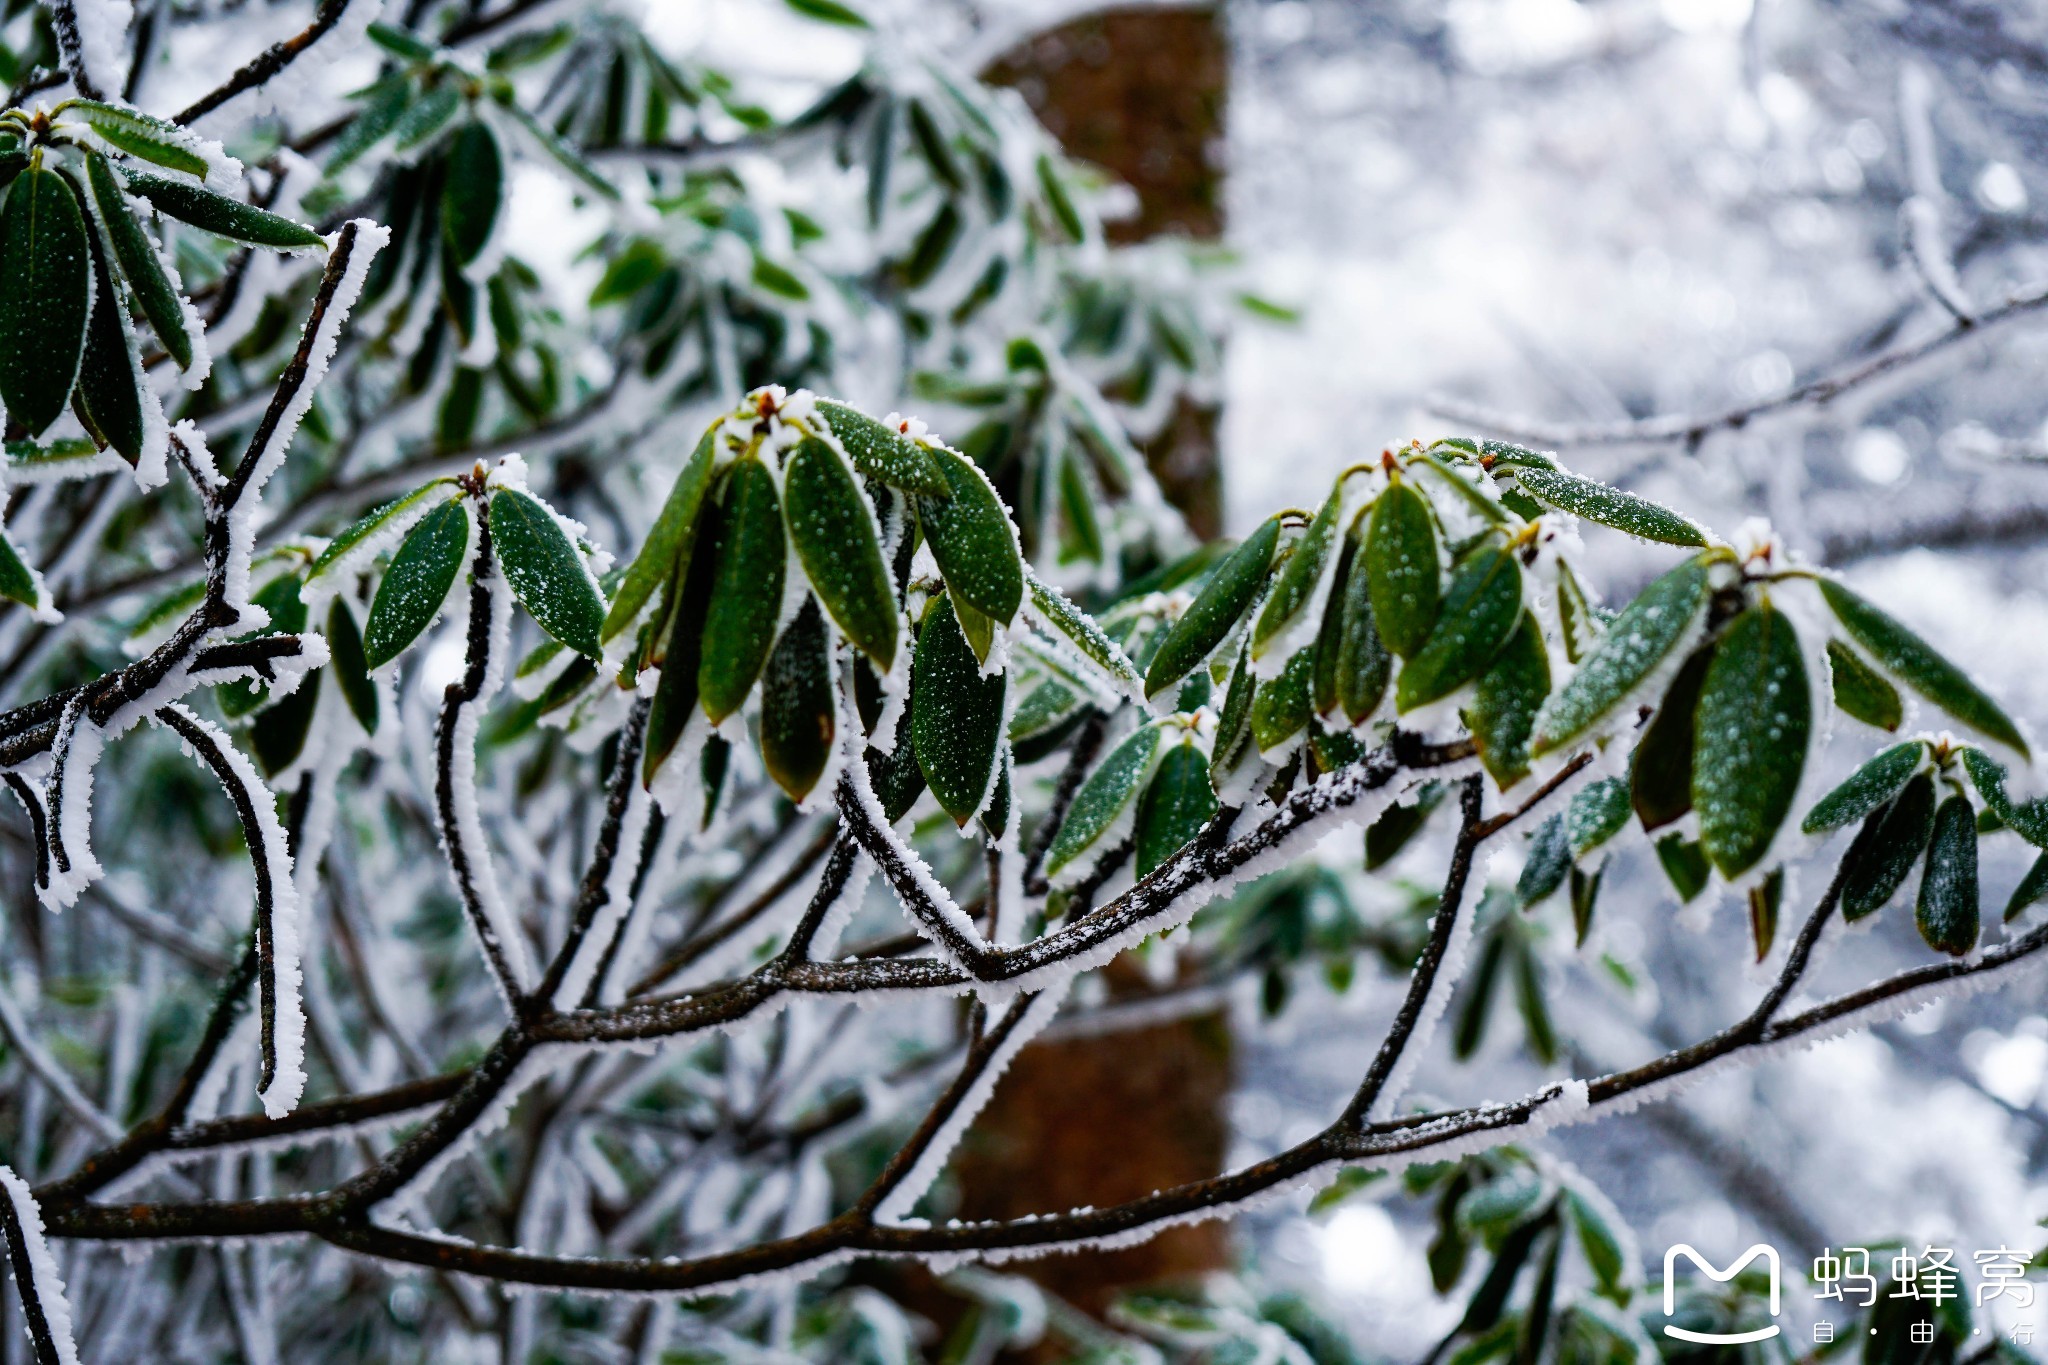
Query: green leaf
pixel 386 104
pixel 1915 663
pixel 1349 1181
pixel 1869 787
pixel 1660 770
pixel 1294 588
pixel 1598 812
pixel 17 580
pixel 1234 726
pixel 401 44
pixel 1450 474
pixel 1947 907
pixel 1060 201
pixel 1479 614
pixel 1646 634
pixel 139 263
pixel 956 714
pixel 1282 706
pixel 1504 707
pixel 472 191
pixel 829 11
pixel 561 153
pixel 372 523
pixel 675 694
pixel 746 594
pixel 1402 567
pixel 668 543
pixel 220 215
pixel 883 453
pixel 1080 530
pixel 933 245
pixel 1533 1006
pixel 779 280
pixel 1639 517
pixel 1398 825
pixel 1104 797
pixel 2027 819
pixel 1363 665
pixel 1886 848
pixel 1078 629
pixel 110 379
pixel 1685 865
pixel 1475 1005
pixel 1585 892
pixel 834 532
pixel 2032 888
pixel 546 571
pixel 798 719
pixel 972 539
pixel 417 583
pixel 1550 857
pixel 1861 691
pixel 423 122
pixel 278 735
pixel 1577 619
pixel 45 286
pixel 1216 610
pixel 351 667
pixel 138 134
pixel 1755 717
pixel 1175 807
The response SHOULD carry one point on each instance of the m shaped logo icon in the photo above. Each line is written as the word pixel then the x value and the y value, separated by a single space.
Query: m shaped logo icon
pixel 1770 1257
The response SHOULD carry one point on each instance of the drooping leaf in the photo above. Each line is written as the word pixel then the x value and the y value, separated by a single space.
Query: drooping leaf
pixel 376 521
pixel 1534 1007
pixel 1282 706
pixel 1861 691
pixel 110 378
pixel 798 719
pixel 2028 819
pixel 1234 727
pixel 1479 613
pixel 1637 516
pixel 1886 848
pixel 1577 619
pixel 45 286
pixel 1398 825
pixel 1754 720
pixel 956 714
pixel 972 539
pixel 1766 900
pixel 1550 857
pixel 1216 610
pixel 278 734
pixel 351 667
pixel 1869 787
pixel 1294 586
pixel 417 583
pixel 1598 812
pixel 427 117
pixel 883 453
pixel 1600 1242
pixel 2033 886
pixel 379 113
pixel 675 693
pixel 1475 1004
pixel 1504 706
pixel 1585 894
pixel 472 191
pixel 1916 663
pixel 1078 629
pixel 220 215
pixel 1402 568
pixel 546 571
pixel 1104 798
pixel 1450 474
pixel 835 537
pixel 138 262
pixel 1660 771
pixel 1329 644
pixel 746 594
pixel 1685 865
pixel 668 544
pixel 1363 665
pixel 138 134
pixel 1641 639
pixel 1175 806
pixel 1947 908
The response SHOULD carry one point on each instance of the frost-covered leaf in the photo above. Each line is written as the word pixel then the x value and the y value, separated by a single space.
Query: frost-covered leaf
pixel 1887 846
pixel 2033 886
pixel 883 453
pixel 18 582
pixel 1504 706
pixel 45 286
pixel 473 191
pixel 1550 857
pixel 1479 614
pixel 417 583
pixel 1640 641
pixel 1282 706
pixel 385 104
pixel 972 539
pixel 835 537
pixel 1450 474
pixel 144 271
pixel 1609 506
pixel 1916 663
pixel 798 719
pixel 139 134
pixel 1754 720
pixel 220 215
pixel 1104 798
pixel 1660 770
pixel 1216 610
pixel 1601 1243
pixel 680 650
pixel 1234 726
pixel 351 666
pixel 1363 666
pixel 1078 629
pixel 1869 787
pixel 956 714
pixel 746 594
pixel 1598 812
pixel 669 543
pixel 427 118
pixel 111 383
pixel 1861 691
pixel 1947 910
pixel 546 571
pixel 375 524
pixel 1294 586
pixel 2027 819
pixel 1403 569
pixel 1175 806
pixel 1578 621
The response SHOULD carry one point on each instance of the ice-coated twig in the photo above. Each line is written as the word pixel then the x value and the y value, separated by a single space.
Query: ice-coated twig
pixel 43 1304
pixel 266 64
